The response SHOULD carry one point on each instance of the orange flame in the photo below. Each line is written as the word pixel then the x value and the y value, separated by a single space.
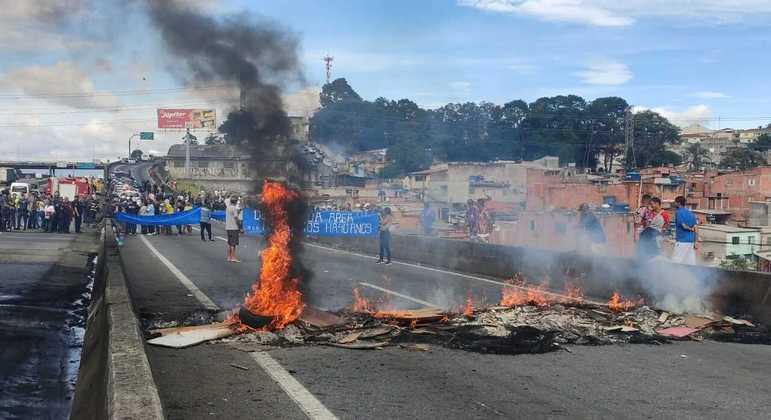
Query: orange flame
pixel 616 304
pixel 468 308
pixel 360 303
pixel 517 292
pixel 573 293
pixel 276 294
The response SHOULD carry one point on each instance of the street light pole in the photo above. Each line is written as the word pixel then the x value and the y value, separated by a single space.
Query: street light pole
pixel 132 136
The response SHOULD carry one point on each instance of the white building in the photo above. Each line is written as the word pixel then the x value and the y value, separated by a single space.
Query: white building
pixel 723 241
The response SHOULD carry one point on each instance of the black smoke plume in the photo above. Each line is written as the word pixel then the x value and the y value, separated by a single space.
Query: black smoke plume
pixel 252 53
pixel 260 58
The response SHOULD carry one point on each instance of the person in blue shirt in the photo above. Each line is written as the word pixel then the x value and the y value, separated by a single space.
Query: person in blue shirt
pixel 685 234
pixel 592 228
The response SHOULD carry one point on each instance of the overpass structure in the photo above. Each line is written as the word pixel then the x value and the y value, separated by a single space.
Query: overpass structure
pixel 51 166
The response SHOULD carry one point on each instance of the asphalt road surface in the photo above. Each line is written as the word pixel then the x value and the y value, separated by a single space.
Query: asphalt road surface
pixel 680 380
pixel 43 299
pixel 138 171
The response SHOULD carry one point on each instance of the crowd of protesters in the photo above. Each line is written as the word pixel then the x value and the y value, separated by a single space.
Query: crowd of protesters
pixel 46 212
pixel 156 202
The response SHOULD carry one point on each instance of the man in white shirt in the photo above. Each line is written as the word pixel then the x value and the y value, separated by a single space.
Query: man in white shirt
pixel 232 215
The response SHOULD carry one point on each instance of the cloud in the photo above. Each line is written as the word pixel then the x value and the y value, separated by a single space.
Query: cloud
pixel 623 13
pixel 15 39
pixel 43 11
pixel 63 83
pixel 697 114
pixel 708 94
pixel 606 72
pixel 573 11
pixel 34 25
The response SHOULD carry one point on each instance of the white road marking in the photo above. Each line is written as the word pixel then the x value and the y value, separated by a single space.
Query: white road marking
pixel 451 273
pixel 205 301
pixel 310 405
pixel 403 296
pixel 215 236
pixel 422 267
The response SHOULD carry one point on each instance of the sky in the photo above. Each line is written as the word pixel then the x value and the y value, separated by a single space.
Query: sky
pixel 76 86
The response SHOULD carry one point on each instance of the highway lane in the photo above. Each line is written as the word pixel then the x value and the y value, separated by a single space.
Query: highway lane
pixel 711 380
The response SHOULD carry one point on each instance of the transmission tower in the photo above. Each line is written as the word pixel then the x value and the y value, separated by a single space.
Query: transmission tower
pixel 629 159
pixel 328 59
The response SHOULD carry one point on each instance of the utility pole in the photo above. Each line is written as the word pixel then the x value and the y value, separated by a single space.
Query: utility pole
pixel 188 139
pixel 629 160
pixel 328 59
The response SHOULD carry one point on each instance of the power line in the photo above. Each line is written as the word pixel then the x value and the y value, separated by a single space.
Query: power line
pixel 137 92
pixel 48 111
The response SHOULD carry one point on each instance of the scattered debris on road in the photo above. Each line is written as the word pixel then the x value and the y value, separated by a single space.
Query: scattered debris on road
pixel 181 337
pixel 528 319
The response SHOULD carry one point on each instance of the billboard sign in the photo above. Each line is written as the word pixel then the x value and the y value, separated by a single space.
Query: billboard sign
pixel 187 118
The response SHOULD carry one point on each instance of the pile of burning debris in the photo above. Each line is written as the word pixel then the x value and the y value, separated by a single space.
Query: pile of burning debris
pixel 529 318
pixel 545 322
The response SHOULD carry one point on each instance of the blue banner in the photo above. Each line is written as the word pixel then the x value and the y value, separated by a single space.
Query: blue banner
pixel 190 217
pixel 323 223
pixel 218 215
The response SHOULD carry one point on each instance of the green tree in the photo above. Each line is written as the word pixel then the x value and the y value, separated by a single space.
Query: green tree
pixel 762 143
pixel 666 157
pixel 505 130
pixel 136 154
pixel 338 91
pixel 213 139
pixel 606 122
pixel 696 156
pixel 742 158
pixel 557 126
pixel 404 158
pixel 652 134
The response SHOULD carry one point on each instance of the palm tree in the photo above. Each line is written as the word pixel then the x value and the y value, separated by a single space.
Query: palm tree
pixel 696 156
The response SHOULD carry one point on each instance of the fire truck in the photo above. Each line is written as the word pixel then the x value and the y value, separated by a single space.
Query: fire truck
pixel 68 187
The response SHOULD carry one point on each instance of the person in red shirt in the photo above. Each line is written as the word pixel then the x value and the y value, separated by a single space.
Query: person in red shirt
pixel 650 238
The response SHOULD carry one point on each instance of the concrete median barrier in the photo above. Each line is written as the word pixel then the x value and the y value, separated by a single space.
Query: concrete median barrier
pixel 728 291
pixel 114 380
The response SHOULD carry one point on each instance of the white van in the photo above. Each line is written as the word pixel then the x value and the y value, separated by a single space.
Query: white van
pixel 20 188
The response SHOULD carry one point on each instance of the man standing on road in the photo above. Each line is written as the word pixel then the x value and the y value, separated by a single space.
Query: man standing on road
pixel 205 219
pixel 232 228
pixel 685 234
pixel 132 208
pixel 77 210
pixel 66 216
pixel 386 221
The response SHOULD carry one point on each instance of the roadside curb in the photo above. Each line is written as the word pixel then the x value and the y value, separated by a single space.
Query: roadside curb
pixel 131 390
